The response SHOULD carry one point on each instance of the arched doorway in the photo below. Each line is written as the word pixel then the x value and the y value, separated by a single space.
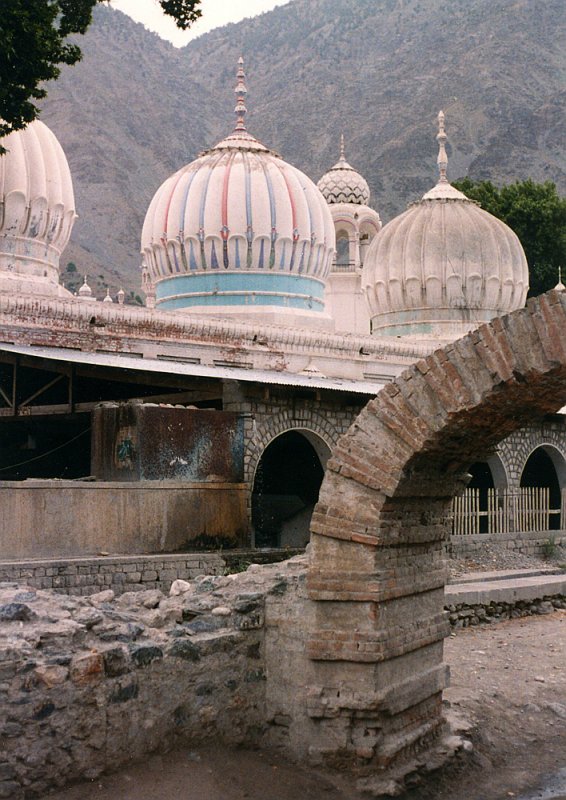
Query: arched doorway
pixel 482 481
pixel 343 257
pixel 487 476
pixel 286 487
pixel 545 469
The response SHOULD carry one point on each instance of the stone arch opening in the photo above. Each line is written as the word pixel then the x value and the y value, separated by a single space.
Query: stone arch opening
pixel 482 480
pixel 367 232
pixel 545 468
pixel 487 476
pixel 286 486
pixel 343 255
pixel 376 574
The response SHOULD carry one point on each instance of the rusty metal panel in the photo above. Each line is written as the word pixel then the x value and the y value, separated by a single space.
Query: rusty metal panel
pixel 145 442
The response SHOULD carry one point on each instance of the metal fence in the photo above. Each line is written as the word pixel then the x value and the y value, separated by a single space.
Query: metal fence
pixel 506 511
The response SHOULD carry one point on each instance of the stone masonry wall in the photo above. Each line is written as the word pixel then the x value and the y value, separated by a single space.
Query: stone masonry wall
pixel 86 576
pixel 531 543
pixel 88 684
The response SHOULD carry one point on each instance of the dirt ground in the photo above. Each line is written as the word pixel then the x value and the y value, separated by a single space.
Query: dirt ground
pixel 508 679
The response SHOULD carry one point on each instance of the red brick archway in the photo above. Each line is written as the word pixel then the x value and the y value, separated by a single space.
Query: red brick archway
pixel 376 572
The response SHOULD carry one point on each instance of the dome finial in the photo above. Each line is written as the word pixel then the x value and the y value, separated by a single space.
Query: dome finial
pixel 241 92
pixel 342 150
pixel 560 286
pixel 442 159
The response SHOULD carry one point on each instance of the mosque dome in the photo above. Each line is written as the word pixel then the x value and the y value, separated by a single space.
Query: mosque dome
pixel 238 230
pixel 443 266
pixel 37 211
pixel 343 184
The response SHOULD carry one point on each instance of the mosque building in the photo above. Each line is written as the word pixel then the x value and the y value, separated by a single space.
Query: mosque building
pixel 275 309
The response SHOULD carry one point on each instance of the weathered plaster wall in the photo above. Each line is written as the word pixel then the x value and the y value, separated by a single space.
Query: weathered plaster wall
pixel 47 519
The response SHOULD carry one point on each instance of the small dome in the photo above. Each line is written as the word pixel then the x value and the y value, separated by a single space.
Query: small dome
pixel 85 292
pixel 238 228
pixel 37 211
pixel 443 266
pixel 108 299
pixel 342 184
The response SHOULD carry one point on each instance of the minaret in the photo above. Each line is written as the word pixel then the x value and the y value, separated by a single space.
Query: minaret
pixel 355 223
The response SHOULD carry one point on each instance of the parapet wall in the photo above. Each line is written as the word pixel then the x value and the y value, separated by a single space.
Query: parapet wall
pixel 86 576
pixel 65 519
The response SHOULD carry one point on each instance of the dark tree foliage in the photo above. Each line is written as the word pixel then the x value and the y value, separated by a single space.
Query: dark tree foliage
pixel 33 43
pixel 537 214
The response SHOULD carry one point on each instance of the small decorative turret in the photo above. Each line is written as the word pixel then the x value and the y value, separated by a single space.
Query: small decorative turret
pixel 108 299
pixel 121 295
pixel 85 292
pixel 560 286
pixel 342 183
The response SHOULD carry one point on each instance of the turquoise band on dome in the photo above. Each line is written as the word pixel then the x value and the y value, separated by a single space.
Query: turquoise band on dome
pixel 240 289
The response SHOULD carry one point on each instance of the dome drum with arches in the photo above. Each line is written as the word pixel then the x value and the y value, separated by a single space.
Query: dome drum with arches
pixel 238 227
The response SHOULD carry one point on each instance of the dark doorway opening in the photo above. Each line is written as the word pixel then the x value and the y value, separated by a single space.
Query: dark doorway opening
pixel 539 471
pixel 482 479
pixel 286 487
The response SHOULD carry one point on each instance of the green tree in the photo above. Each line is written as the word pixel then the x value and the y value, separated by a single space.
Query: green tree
pixel 34 42
pixel 537 214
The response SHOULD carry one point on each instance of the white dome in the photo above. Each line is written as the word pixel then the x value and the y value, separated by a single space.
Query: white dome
pixel 238 227
pixel 37 211
pixel 342 184
pixel 443 266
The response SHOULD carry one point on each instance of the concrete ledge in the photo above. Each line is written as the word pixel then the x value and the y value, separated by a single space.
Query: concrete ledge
pixel 509 590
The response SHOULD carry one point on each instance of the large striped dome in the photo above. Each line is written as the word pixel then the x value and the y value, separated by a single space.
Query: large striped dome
pixel 237 229
pixel 37 211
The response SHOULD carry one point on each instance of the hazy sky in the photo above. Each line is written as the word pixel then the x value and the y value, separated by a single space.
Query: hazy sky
pixel 214 14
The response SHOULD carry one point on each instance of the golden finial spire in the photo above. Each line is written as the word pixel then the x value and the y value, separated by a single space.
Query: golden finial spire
pixel 342 150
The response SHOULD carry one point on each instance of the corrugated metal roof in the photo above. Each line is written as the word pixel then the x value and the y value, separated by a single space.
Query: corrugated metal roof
pixel 166 367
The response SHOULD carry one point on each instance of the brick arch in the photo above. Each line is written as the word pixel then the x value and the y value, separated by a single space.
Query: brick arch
pixel 376 572
pixel 269 427
pixel 517 449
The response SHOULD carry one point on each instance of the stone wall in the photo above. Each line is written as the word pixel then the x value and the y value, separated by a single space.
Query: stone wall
pixel 88 684
pixel 531 543
pixel 50 519
pixel 86 576
pixel 464 615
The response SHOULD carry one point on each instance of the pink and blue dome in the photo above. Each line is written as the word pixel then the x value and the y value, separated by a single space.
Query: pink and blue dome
pixel 238 228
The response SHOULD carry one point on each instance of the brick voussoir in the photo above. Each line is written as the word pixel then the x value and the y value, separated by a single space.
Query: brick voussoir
pixel 498 359
pixel 549 319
